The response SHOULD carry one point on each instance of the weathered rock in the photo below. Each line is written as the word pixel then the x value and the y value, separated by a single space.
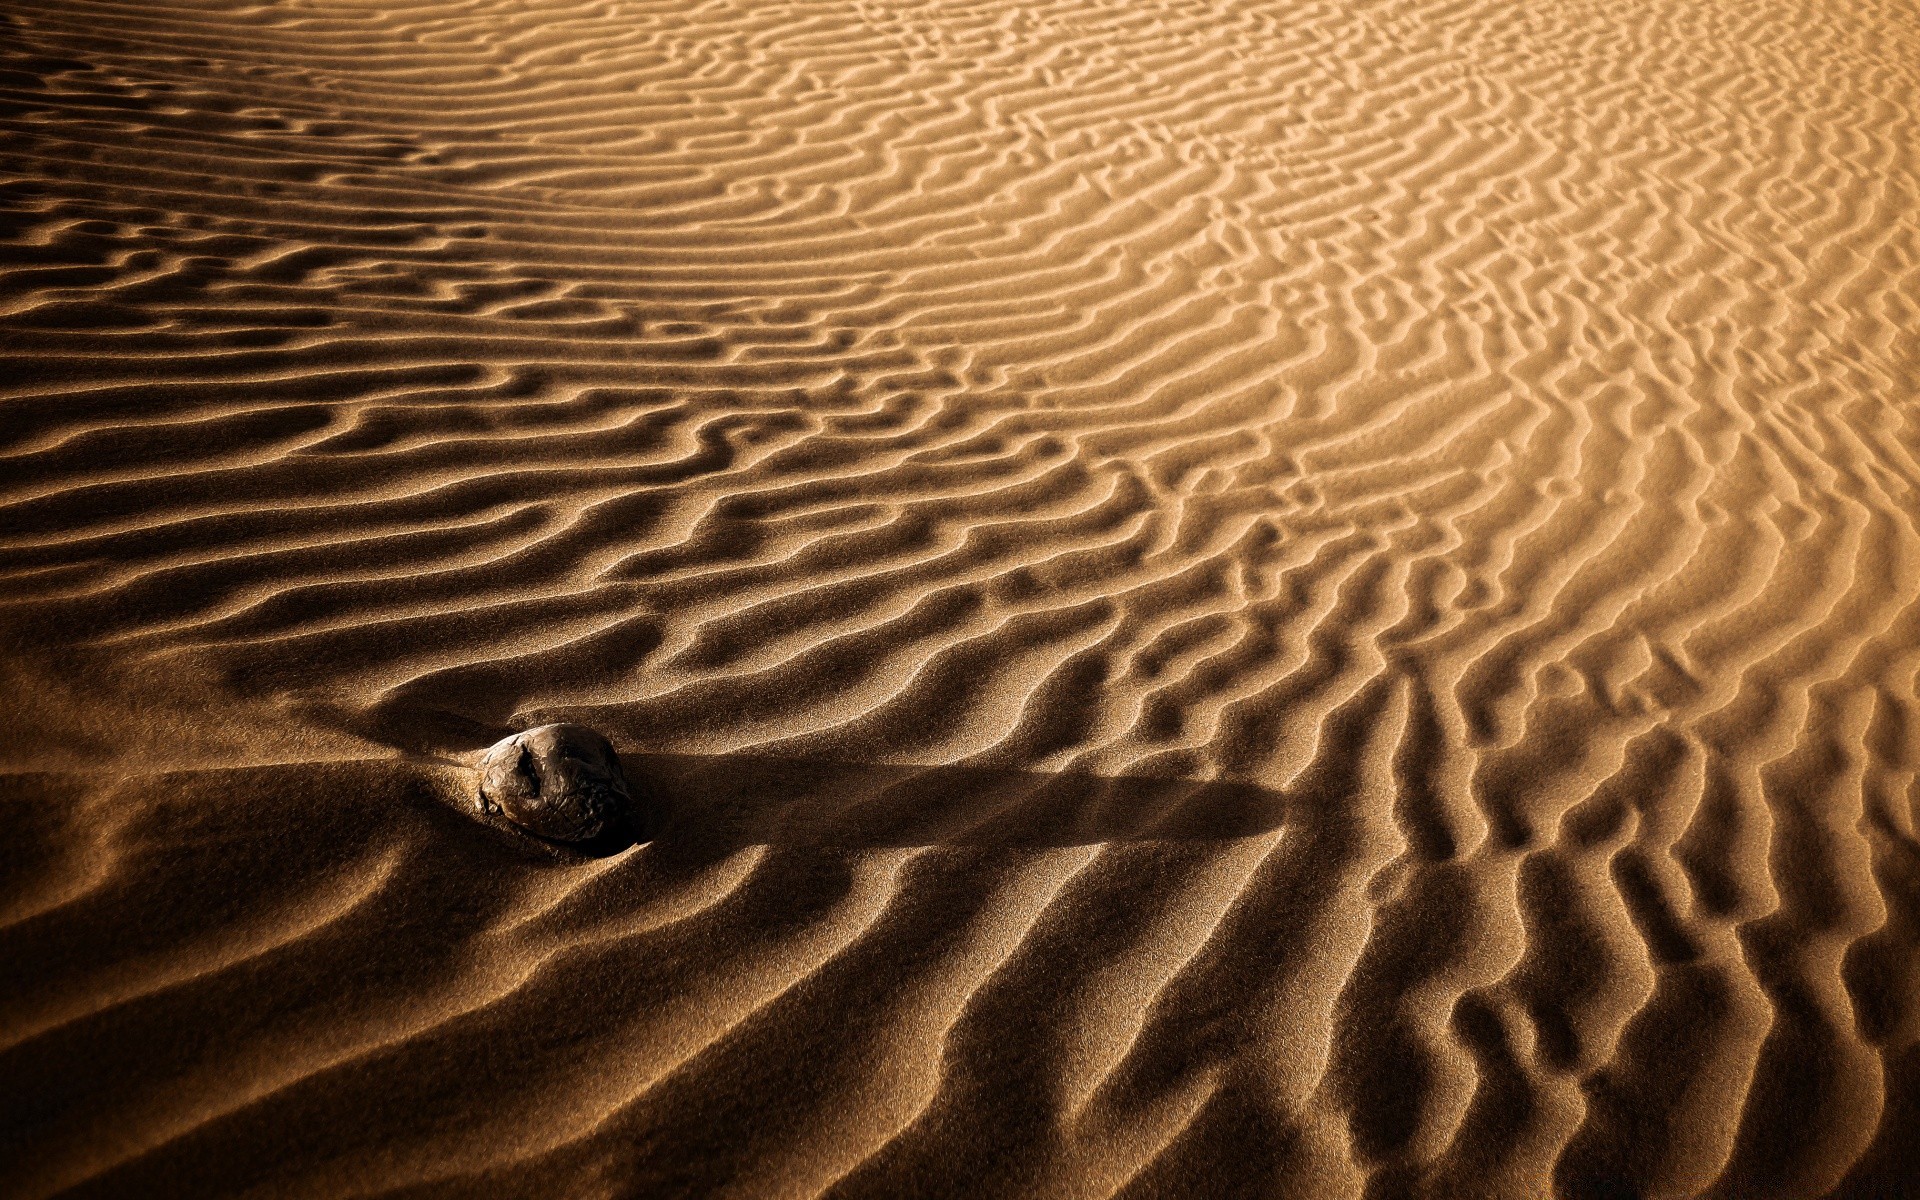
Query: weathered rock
pixel 560 782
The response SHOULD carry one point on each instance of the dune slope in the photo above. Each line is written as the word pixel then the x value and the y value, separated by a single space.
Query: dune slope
pixel 1221 598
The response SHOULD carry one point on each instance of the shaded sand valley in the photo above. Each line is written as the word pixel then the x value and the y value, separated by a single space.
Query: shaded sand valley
pixel 1216 599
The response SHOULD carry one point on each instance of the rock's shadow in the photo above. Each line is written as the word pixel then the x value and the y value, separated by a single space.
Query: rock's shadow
pixel 716 805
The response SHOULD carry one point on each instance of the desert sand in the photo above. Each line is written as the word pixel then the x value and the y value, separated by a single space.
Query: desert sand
pixel 1214 598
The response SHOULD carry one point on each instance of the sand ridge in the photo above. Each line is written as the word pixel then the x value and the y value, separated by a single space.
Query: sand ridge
pixel 1227 598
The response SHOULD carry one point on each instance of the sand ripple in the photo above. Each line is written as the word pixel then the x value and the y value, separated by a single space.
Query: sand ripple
pixel 1230 598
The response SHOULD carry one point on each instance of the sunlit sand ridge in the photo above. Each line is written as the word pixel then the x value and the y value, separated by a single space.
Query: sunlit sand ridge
pixel 1308 599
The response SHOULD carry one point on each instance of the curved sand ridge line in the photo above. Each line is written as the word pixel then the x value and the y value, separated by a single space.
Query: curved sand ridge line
pixel 1228 598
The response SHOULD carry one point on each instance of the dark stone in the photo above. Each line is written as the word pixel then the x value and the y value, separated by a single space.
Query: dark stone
pixel 559 782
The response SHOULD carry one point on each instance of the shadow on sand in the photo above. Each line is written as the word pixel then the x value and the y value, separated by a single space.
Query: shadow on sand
pixel 715 805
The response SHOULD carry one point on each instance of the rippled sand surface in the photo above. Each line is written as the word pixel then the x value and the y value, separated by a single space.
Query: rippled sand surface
pixel 1306 599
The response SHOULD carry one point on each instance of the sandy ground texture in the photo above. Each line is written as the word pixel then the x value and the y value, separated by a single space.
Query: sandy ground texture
pixel 1304 599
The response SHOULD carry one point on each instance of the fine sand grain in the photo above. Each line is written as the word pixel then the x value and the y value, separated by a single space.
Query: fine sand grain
pixel 1304 599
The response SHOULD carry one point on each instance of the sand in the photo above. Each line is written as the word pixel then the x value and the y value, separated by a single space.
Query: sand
pixel 1219 599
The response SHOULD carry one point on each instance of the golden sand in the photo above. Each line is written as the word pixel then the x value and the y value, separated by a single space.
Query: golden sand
pixel 1300 599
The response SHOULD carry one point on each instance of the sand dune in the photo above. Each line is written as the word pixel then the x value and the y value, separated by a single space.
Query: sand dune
pixel 1221 598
